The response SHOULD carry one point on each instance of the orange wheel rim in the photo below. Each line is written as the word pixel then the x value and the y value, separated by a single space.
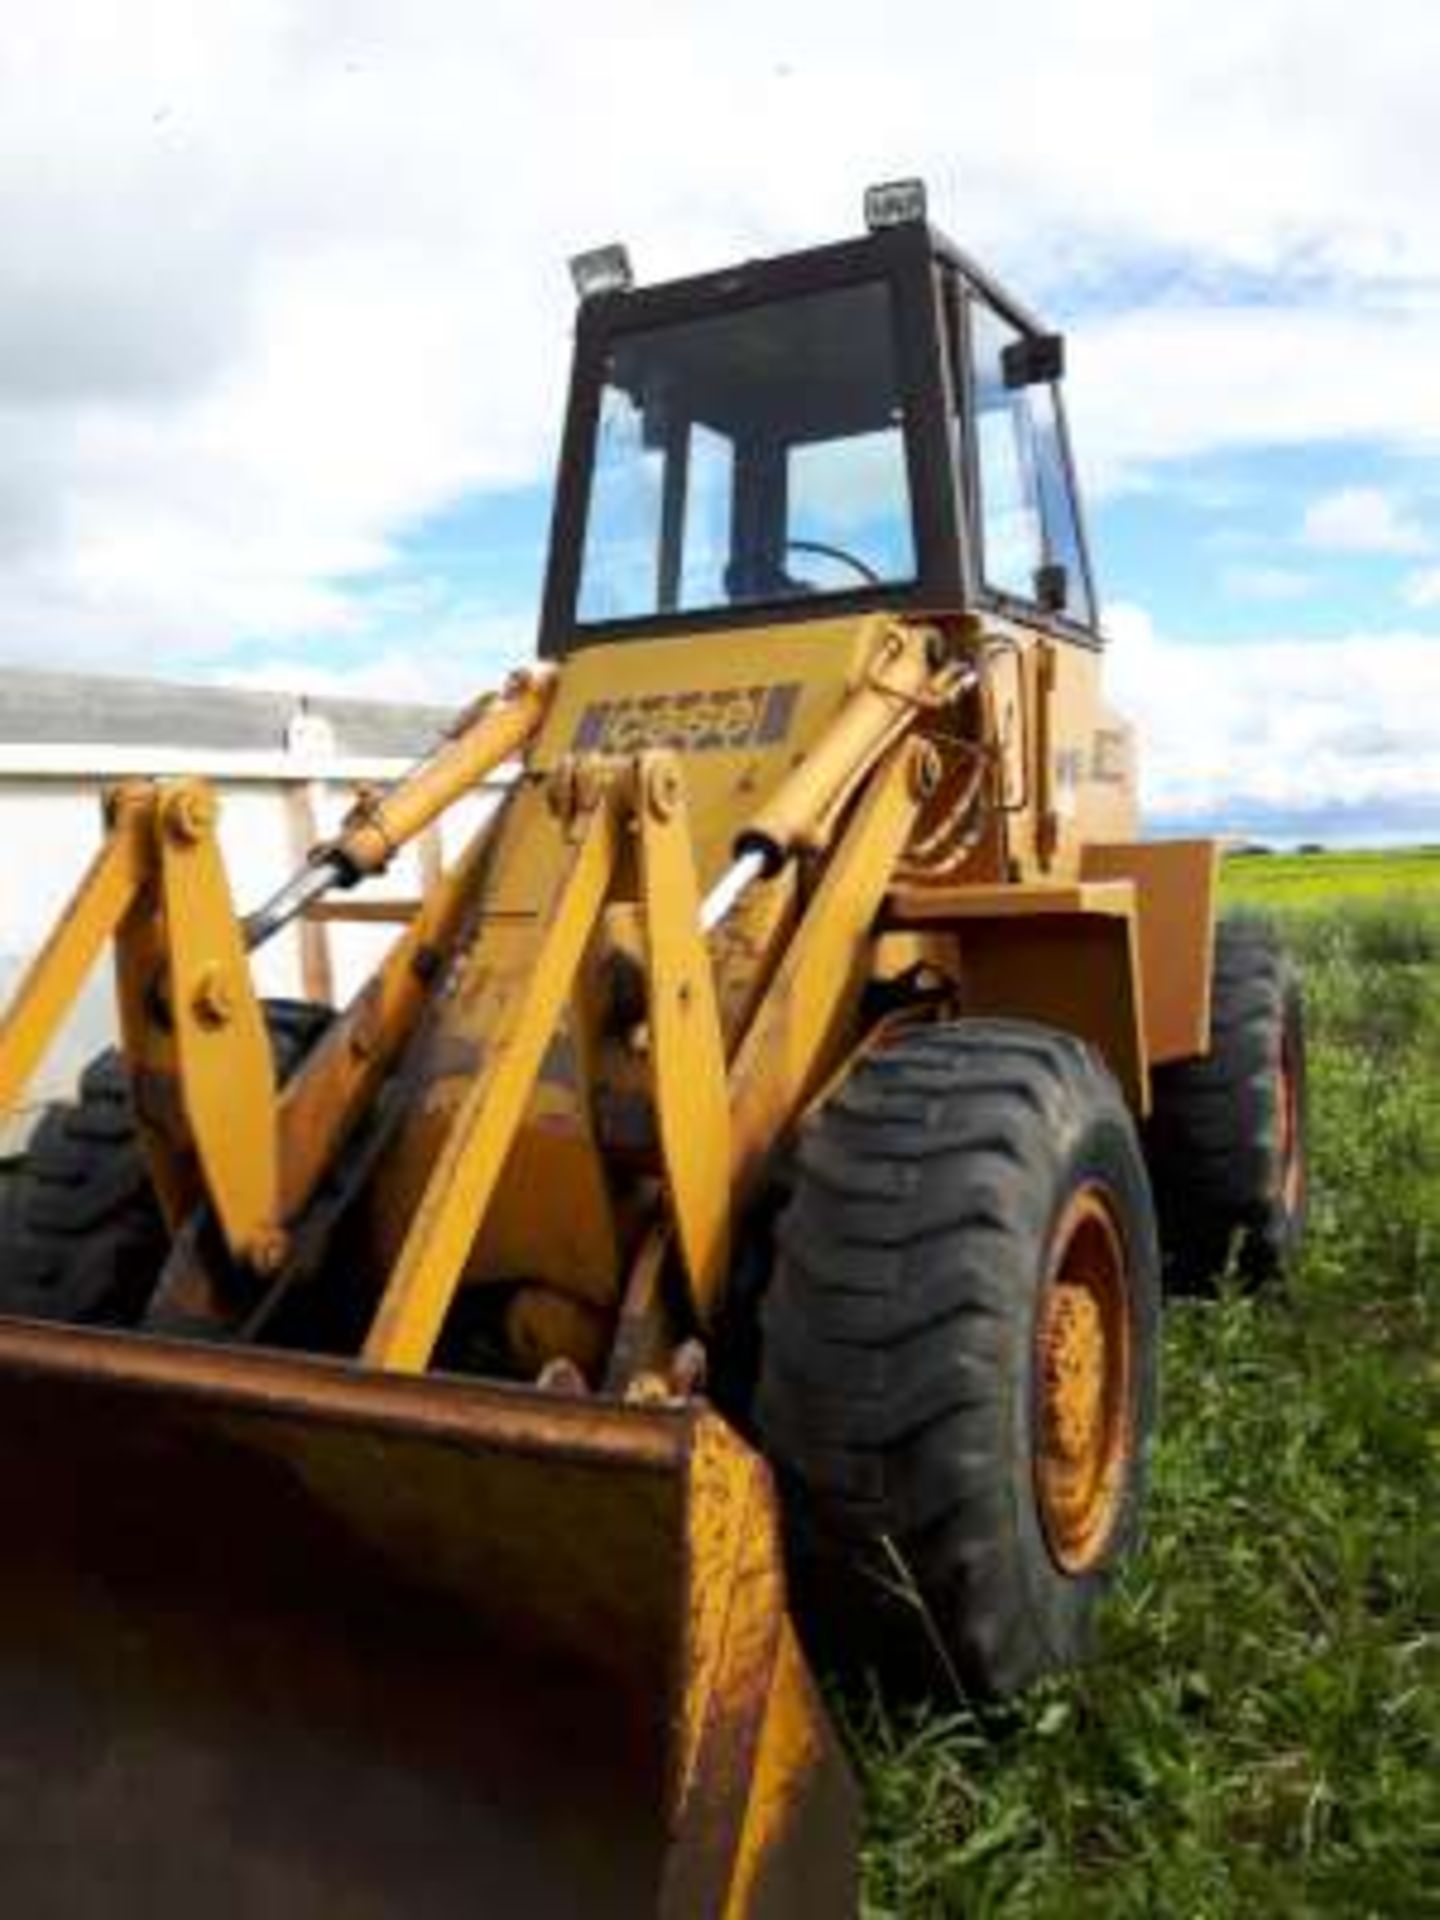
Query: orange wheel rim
pixel 1292 1165
pixel 1084 1367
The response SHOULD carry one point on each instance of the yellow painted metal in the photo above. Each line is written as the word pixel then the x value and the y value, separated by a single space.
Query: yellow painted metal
pixel 1077 972
pixel 570 1083
pixel 692 1102
pixel 147 1040
pixel 524 972
pixel 900 681
pixel 572 1246
pixel 493 731
pixel 555 1028
pixel 929 906
pixel 781 749
pixel 1085 1414
pixel 334 1086
pixel 793 1787
pixel 575 1248
pixel 59 970
pixel 747 947
pixel 1175 883
pixel 741 708
pixel 369 1644
pixel 742 714
pixel 1048 799
pixel 754 1754
pixel 227 1076
pixel 1066 760
pixel 1064 953
pixel 803 1025
pixel 362 912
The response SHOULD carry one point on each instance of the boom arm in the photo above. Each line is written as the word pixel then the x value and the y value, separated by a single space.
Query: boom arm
pixel 491 732
pixel 910 674
pixel 710 1115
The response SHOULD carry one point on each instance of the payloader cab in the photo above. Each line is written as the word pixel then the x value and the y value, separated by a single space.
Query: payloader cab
pixel 868 425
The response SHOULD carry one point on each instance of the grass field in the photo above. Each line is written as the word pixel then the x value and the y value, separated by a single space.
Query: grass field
pixel 1312 879
pixel 1260 1735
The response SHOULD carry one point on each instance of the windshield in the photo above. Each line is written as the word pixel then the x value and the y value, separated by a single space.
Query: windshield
pixel 752 456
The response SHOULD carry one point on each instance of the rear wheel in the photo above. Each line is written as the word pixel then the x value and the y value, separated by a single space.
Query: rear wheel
pixel 1226 1136
pixel 82 1239
pixel 959 1356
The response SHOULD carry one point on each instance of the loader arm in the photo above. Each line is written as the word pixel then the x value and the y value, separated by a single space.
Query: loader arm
pixel 228 1143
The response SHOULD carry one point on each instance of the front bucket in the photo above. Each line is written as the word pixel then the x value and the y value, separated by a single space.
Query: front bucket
pixel 284 1638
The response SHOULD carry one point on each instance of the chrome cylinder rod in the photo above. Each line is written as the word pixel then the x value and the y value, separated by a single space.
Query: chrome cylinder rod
pixel 729 887
pixel 292 899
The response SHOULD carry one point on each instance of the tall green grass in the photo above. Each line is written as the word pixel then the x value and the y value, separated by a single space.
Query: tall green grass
pixel 1261 1732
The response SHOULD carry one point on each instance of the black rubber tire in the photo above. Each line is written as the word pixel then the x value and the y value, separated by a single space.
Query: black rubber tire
pixel 81 1235
pixel 1225 1184
pixel 898 1387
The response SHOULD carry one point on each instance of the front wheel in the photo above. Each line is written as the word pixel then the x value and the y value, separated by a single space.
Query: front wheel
pixel 958 1373
pixel 82 1239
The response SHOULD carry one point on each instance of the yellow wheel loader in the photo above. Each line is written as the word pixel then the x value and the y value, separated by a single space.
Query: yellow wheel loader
pixel 442 1436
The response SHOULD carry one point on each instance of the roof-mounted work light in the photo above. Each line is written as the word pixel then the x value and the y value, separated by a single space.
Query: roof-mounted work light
pixel 602 270
pixel 895 203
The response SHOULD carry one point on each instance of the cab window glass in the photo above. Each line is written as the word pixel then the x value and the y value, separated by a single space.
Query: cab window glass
pixel 1057 502
pixel 624 511
pixel 1027 510
pixel 1012 543
pixel 839 505
pixel 750 456
pixel 709 500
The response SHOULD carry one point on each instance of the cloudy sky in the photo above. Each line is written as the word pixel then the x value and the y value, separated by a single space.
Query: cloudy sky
pixel 284 321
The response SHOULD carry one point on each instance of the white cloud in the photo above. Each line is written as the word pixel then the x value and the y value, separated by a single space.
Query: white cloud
pixel 1266 583
pixel 276 282
pixel 465 650
pixel 1286 729
pixel 1422 589
pixel 1174 381
pixel 1362 520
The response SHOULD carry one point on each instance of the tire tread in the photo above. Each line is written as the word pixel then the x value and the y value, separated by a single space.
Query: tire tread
pixel 922 1188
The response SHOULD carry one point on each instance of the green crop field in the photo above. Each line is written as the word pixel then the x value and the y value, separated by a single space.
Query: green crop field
pixel 1260 1735
pixel 1304 879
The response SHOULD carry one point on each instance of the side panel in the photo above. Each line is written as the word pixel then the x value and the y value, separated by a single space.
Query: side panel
pixel 1079 972
pixel 1069 759
pixel 1067 956
pixel 1087 788
pixel 1175 886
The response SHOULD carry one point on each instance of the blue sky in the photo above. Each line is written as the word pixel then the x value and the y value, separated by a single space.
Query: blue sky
pixel 1215 546
pixel 1230 544
pixel 284 326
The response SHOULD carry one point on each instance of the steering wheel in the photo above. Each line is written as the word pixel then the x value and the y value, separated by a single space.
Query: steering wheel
pixel 866 572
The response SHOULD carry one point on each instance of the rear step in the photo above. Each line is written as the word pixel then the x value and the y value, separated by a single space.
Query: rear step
pixel 285 1638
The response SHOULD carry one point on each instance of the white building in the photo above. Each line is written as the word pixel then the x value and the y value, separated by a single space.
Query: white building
pixel 285 768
